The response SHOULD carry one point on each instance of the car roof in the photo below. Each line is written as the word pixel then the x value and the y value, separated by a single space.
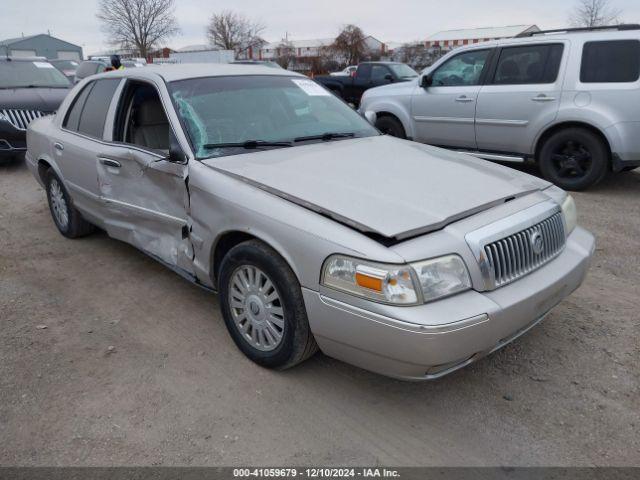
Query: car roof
pixel 185 71
pixel 550 37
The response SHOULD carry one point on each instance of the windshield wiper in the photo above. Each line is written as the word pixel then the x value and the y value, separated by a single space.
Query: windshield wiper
pixel 326 136
pixel 249 144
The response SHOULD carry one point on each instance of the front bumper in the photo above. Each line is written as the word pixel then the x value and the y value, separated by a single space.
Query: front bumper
pixel 428 341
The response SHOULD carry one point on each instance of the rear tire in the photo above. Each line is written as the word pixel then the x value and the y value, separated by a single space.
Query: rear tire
pixel 574 159
pixel 262 306
pixel 390 126
pixel 66 217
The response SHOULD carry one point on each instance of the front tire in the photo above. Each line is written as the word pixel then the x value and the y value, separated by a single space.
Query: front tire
pixel 574 159
pixel 66 217
pixel 262 306
pixel 390 126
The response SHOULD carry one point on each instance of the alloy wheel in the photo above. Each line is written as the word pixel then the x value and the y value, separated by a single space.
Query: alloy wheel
pixel 256 308
pixel 571 160
pixel 58 204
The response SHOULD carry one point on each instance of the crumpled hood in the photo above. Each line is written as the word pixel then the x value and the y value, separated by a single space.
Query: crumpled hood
pixel 381 185
pixel 42 99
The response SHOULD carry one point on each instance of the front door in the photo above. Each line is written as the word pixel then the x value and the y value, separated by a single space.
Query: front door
pixel 444 113
pixel 521 97
pixel 145 197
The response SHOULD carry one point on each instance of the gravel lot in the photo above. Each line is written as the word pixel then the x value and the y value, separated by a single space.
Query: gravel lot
pixel 174 390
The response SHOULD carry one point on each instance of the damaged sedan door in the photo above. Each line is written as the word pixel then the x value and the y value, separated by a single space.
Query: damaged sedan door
pixel 142 178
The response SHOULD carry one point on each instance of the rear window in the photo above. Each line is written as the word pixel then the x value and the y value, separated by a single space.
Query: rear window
pixel 65 64
pixel 73 117
pixel 89 111
pixel 613 61
pixel 87 68
pixel 95 108
pixel 531 64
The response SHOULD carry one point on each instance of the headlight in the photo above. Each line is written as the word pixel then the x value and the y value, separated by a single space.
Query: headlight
pixel 570 213
pixel 375 281
pixel 442 277
pixel 412 284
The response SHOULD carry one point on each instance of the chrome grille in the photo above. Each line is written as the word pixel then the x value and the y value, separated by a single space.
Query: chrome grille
pixel 21 118
pixel 523 252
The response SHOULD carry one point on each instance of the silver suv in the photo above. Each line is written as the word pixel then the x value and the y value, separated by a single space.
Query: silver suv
pixel 567 100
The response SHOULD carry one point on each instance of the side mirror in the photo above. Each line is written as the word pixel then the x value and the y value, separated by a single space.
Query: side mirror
pixel 388 77
pixel 426 81
pixel 371 117
pixel 176 154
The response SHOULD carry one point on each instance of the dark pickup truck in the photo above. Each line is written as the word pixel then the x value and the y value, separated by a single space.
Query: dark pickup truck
pixel 368 75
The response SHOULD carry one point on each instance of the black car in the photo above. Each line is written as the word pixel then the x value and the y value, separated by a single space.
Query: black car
pixel 29 88
pixel 67 67
pixel 90 67
pixel 368 75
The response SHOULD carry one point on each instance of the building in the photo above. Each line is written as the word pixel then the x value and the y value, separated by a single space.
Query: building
pixel 41 45
pixel 302 49
pixel 193 54
pixel 303 55
pixel 450 39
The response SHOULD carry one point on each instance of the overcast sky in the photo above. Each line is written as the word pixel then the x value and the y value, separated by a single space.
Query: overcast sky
pixel 387 20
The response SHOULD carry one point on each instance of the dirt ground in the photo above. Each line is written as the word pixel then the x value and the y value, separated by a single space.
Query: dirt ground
pixel 174 390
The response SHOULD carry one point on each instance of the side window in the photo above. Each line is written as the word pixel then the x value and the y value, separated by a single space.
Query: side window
pixel 73 114
pixel 364 71
pixel 378 72
pixel 613 61
pixel 96 106
pixel 141 119
pixel 464 69
pixel 531 64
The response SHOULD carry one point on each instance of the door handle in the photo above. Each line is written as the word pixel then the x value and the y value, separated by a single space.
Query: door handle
pixel 58 146
pixel 543 98
pixel 464 99
pixel 109 162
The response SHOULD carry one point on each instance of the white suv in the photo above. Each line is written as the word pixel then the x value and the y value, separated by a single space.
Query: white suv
pixel 568 100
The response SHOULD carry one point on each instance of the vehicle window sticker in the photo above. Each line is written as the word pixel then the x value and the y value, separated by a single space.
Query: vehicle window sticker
pixel 311 88
pixel 43 65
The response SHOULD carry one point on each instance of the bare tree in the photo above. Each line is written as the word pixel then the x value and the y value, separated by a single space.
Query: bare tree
pixel 285 53
pixel 350 45
pixel 594 13
pixel 139 25
pixel 417 54
pixel 233 31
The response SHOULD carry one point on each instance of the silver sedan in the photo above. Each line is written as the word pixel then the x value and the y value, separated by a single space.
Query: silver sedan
pixel 315 230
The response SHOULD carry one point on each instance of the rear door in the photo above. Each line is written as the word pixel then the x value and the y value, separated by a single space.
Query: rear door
pixel 521 97
pixel 444 113
pixel 80 138
pixel 145 197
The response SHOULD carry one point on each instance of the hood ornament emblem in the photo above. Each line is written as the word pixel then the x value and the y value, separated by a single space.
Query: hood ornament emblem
pixel 537 242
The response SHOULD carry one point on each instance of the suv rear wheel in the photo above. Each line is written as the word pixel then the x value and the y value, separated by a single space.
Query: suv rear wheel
pixel 574 159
